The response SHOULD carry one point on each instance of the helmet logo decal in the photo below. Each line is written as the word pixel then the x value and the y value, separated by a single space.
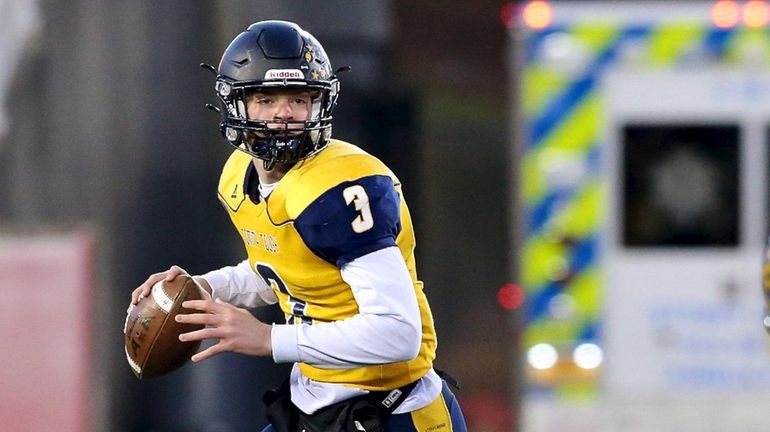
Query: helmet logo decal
pixel 283 74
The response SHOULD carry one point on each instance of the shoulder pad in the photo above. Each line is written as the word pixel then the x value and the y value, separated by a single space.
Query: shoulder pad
pixel 230 188
pixel 343 163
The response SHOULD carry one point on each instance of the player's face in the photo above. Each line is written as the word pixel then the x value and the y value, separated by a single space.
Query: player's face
pixel 282 105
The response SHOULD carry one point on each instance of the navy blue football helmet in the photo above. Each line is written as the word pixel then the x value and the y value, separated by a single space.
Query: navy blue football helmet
pixel 276 55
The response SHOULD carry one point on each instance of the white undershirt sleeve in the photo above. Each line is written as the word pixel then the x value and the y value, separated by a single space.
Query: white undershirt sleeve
pixel 387 328
pixel 240 286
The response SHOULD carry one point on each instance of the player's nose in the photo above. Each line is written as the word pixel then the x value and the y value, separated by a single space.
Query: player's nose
pixel 284 111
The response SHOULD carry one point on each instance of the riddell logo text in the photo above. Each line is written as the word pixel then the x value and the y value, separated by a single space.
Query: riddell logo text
pixel 283 73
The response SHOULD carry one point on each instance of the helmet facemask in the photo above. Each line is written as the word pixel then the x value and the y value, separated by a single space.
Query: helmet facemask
pixel 277 141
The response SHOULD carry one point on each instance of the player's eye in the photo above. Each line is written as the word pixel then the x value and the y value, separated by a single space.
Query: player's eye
pixel 261 99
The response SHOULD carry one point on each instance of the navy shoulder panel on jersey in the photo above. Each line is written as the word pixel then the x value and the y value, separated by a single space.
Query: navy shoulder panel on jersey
pixel 352 219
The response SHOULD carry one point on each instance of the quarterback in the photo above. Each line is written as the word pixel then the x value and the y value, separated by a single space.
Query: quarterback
pixel 329 238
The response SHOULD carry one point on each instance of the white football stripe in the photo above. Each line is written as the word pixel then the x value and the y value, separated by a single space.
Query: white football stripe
pixel 132 363
pixel 161 298
pixel 128 315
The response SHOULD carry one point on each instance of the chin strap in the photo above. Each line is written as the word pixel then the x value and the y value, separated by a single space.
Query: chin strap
pixel 270 163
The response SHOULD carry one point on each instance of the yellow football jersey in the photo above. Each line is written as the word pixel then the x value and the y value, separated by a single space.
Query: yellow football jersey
pixel 329 209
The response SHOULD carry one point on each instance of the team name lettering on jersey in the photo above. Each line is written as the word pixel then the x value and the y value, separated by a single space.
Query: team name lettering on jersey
pixel 257 239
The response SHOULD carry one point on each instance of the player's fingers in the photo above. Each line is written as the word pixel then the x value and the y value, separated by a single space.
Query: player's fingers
pixel 214 307
pixel 209 352
pixel 201 305
pixel 135 295
pixel 140 292
pixel 221 306
pixel 195 335
pixel 173 272
pixel 144 289
pixel 198 318
pixel 153 279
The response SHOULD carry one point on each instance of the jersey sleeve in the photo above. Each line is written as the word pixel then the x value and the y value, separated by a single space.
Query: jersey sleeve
pixel 352 219
pixel 240 286
pixel 387 328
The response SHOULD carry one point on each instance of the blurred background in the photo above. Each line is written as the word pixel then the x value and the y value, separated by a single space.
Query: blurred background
pixel 588 182
pixel 107 150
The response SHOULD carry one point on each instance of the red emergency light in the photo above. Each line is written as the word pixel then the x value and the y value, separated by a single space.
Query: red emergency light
pixel 510 296
pixel 535 14
pixel 508 14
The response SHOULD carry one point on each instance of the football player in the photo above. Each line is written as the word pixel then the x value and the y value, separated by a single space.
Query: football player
pixel 329 238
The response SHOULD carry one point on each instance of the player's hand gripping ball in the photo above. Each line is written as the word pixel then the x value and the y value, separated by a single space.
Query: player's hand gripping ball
pixel 152 334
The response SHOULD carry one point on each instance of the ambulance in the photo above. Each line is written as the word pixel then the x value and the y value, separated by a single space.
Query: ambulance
pixel 641 135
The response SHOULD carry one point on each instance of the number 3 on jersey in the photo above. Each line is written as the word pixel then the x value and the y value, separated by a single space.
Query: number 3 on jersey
pixel 357 195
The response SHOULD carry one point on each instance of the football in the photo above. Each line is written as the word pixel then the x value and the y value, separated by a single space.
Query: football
pixel 151 333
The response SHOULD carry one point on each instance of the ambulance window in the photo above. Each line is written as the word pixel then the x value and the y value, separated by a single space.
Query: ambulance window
pixel 680 185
